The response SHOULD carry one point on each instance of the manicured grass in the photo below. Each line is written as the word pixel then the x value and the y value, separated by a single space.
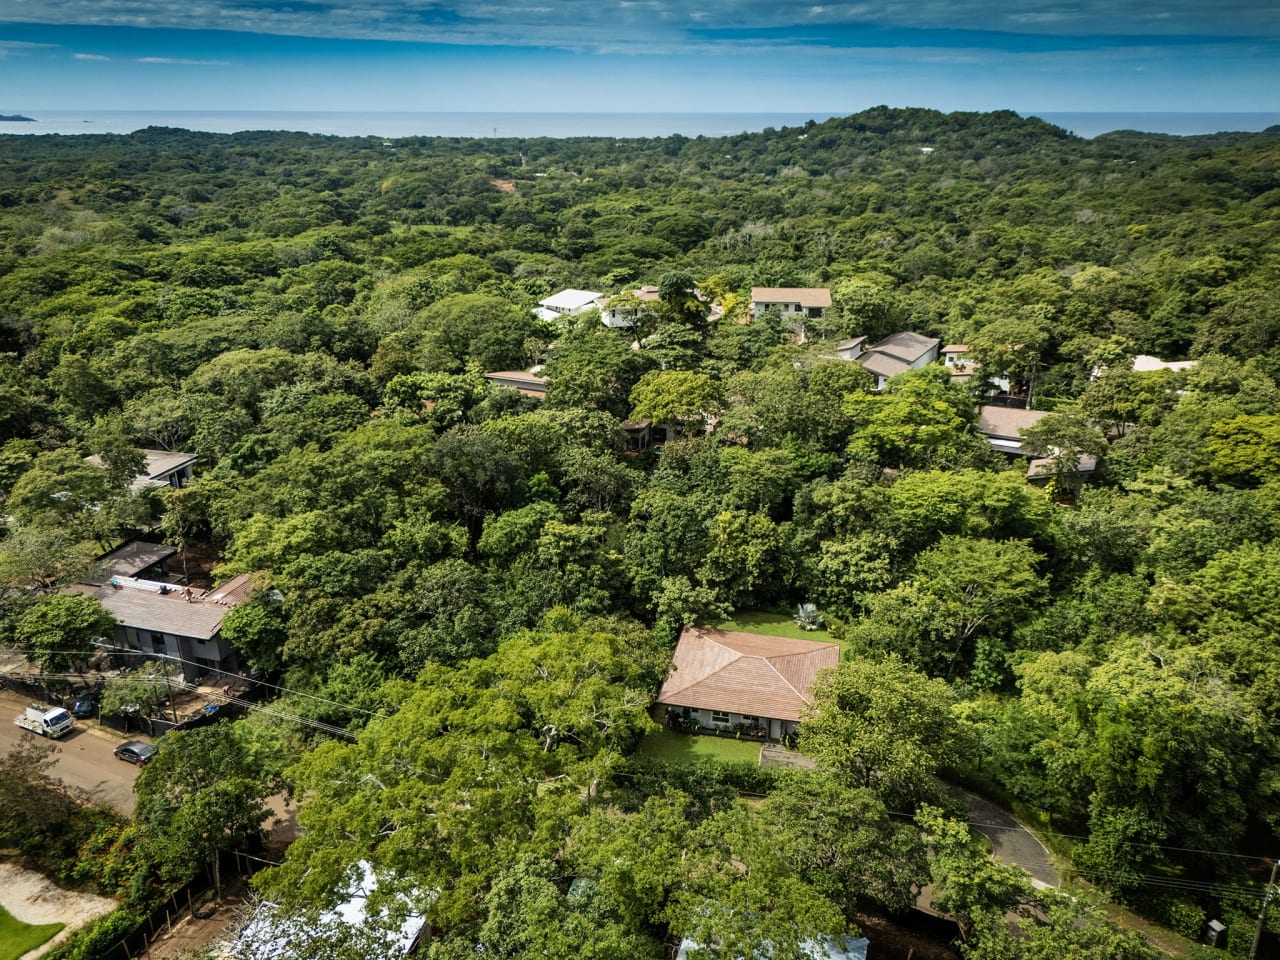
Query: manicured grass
pixel 776 623
pixel 686 746
pixel 16 937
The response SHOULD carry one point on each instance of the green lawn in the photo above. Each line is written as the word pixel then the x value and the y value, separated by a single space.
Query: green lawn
pixel 685 746
pixel 16 937
pixel 775 623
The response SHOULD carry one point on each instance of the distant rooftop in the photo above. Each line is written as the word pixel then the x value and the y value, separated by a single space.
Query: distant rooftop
pixel 805 296
pixel 530 384
pixel 131 559
pixel 906 345
pixel 569 299
pixel 1145 363
pixel 160 466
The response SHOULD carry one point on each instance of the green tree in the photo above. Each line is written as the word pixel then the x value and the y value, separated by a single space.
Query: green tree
pixel 61 630
pixel 842 840
pixel 1064 436
pixel 880 725
pixel 201 793
pixel 678 397
pixel 919 421
pixel 258 631
pixel 957 608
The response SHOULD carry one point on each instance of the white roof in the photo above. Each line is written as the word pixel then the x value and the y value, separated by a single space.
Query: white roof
pixel 268 937
pixel 570 299
pixel 1145 363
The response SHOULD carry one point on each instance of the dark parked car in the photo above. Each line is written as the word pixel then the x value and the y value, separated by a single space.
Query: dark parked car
pixel 84 708
pixel 135 751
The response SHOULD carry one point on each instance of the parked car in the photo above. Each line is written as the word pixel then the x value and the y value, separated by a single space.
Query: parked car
pixel 135 751
pixel 84 708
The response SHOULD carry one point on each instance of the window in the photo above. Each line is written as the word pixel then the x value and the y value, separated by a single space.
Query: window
pixel 719 717
pixel 158 643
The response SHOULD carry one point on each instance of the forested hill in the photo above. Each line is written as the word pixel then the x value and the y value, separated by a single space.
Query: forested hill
pixel 483 588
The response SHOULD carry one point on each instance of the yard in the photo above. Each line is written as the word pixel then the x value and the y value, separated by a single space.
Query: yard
pixel 16 937
pixel 35 914
pixel 684 746
pixel 776 623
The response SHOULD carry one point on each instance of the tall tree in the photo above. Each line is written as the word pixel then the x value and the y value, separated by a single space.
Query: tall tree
pixel 880 725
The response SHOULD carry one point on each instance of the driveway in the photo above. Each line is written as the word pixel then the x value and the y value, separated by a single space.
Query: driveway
pixel 83 758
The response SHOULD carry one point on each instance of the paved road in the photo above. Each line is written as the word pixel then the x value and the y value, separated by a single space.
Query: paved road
pixel 84 757
pixel 1011 842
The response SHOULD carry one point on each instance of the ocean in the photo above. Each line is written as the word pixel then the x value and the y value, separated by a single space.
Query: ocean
pixel 391 125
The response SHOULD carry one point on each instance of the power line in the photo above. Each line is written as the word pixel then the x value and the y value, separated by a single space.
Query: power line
pixel 114 649
pixel 140 680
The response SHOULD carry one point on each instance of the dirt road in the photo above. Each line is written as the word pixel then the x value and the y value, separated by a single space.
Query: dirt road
pixel 83 760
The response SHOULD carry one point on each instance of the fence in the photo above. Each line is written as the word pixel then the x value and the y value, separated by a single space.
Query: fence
pixel 180 904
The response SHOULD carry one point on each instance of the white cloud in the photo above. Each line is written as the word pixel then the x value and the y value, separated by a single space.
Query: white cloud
pixel 88 56
pixel 585 24
pixel 185 63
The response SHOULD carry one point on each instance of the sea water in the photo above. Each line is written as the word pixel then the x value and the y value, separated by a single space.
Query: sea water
pixel 391 125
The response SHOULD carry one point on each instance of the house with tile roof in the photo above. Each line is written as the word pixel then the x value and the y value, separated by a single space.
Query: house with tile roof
pixel 791 302
pixel 723 679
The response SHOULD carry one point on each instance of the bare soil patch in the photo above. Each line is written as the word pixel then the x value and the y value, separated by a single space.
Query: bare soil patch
pixel 33 898
pixel 506 186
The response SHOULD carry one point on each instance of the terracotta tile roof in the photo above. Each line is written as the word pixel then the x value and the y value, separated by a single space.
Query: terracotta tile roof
pixel 805 296
pixel 745 673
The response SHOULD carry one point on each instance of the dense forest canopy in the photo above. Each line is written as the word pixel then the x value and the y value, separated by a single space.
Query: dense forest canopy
pixel 485 589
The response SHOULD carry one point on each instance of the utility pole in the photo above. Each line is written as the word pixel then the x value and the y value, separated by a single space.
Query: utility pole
pixel 1262 913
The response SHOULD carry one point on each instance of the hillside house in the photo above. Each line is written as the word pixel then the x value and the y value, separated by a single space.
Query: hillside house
pixel 955 359
pixel 623 315
pixel 1000 425
pixel 566 303
pixel 529 384
pixel 724 680
pixel 167 621
pixel 794 303
pixel 164 468
pixel 135 559
pixel 895 354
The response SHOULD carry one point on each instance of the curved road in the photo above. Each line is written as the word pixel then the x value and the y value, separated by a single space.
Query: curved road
pixel 1011 842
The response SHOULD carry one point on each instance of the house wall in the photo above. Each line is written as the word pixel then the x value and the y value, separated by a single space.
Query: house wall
pixel 925 360
pixel 713 720
pixel 193 655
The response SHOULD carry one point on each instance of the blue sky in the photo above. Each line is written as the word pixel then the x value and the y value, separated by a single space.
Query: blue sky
pixel 639 55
